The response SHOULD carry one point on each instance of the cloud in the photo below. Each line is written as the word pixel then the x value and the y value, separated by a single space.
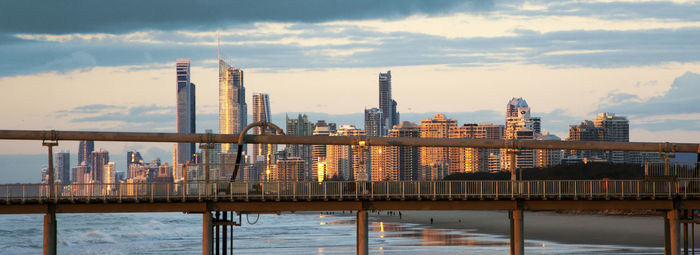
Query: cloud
pixel 58 17
pixel 666 109
pixel 619 10
pixel 122 118
pixel 682 97
pixel 356 47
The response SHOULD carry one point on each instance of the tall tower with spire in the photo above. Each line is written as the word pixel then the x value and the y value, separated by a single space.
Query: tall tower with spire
pixel 232 106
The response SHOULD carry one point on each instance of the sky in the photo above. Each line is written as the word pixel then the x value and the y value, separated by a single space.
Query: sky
pixel 110 65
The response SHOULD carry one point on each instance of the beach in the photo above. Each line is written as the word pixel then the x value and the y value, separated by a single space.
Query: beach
pixel 638 231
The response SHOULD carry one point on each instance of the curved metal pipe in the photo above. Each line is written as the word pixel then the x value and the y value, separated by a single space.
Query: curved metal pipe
pixel 261 124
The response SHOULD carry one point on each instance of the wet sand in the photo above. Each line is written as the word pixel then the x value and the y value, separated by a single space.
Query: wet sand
pixel 639 231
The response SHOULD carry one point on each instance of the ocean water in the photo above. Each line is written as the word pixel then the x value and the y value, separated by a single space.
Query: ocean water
pixel 177 233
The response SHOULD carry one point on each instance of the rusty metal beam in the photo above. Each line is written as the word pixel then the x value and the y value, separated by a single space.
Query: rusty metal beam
pixel 344 140
pixel 276 207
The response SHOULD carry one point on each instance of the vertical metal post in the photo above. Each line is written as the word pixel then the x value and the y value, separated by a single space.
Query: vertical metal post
pixel 217 233
pixel 685 232
pixel 224 235
pixel 512 162
pixel 51 187
pixel 673 231
pixel 206 233
pixel 184 180
pixel 206 148
pixel 517 242
pixel 231 234
pixel 50 230
pixel 667 244
pixel 449 193
pixel 362 233
pixel 403 192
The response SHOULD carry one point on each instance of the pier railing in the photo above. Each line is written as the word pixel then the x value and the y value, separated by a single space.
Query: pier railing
pixel 672 170
pixel 345 190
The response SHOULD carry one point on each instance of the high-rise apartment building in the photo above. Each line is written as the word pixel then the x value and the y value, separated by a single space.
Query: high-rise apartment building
pixel 133 157
pixel 301 126
pixel 290 169
pixel 233 109
pixel 318 152
pixel 98 159
pixel 586 131
pixel 434 161
pixel 548 158
pixel 523 158
pixel 374 122
pixel 473 159
pixel 386 103
pixel 110 173
pixel 261 113
pixel 82 173
pixel 84 150
pixel 519 125
pixel 518 118
pixel 614 129
pixel 185 121
pixel 63 167
pixel 606 127
pixel 397 162
pixel 342 161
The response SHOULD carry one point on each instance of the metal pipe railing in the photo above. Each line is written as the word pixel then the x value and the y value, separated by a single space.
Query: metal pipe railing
pixel 53 135
pixel 345 190
pixel 672 169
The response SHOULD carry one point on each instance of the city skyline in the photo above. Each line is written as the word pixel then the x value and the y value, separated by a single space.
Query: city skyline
pixel 462 59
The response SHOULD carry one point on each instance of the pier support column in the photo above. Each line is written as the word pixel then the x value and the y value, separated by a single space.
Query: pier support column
pixel 362 233
pixel 50 231
pixel 673 232
pixel 517 242
pixel 206 233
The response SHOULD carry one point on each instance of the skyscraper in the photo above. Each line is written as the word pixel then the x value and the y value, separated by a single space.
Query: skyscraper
pixel 397 162
pixel 586 131
pixel 233 109
pixel 84 150
pixel 473 159
pixel 133 157
pixel 606 127
pixel 98 160
pixel 82 173
pixel 63 167
pixel 110 173
pixel 301 126
pixel 616 129
pixel 290 169
pixel 435 160
pixel 185 120
pixel 374 122
pixel 318 152
pixel 548 158
pixel 386 104
pixel 519 125
pixel 261 112
pixel 342 161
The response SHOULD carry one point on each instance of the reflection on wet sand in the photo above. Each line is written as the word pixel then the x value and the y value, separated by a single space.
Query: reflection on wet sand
pixel 426 236
pixel 390 236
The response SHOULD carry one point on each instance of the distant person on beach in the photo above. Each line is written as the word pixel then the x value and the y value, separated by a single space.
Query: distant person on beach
pixel 399 215
pixel 431 221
